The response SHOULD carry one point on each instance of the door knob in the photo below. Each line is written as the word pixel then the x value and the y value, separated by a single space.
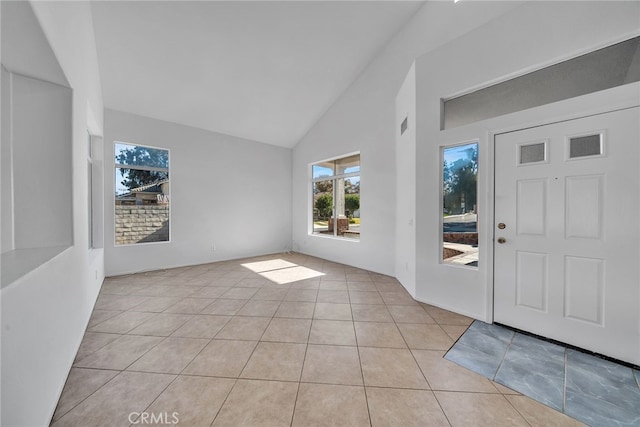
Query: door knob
pixel 501 240
pixel 502 226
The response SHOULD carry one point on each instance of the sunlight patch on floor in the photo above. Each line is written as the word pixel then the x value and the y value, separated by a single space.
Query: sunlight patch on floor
pixel 281 272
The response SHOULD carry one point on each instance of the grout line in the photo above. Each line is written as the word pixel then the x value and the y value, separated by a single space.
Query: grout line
pixel 364 384
pixel 516 409
pixel 90 394
pixel 501 361
pixel 441 408
pixel 225 400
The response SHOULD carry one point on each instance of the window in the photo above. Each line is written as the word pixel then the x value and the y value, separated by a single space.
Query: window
pixel 605 68
pixel 141 194
pixel 335 199
pixel 459 204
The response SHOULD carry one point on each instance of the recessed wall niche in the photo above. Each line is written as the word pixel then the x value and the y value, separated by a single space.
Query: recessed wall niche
pixel 36 173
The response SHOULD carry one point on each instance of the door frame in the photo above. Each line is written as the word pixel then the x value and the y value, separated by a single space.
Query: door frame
pixel 618 98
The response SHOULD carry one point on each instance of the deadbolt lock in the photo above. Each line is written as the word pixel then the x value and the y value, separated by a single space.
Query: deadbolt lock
pixel 501 240
pixel 502 226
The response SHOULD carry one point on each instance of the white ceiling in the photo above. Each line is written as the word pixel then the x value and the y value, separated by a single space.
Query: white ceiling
pixel 264 70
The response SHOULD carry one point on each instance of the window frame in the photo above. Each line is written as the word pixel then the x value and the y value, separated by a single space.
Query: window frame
pixel 442 148
pixel 334 179
pixel 145 168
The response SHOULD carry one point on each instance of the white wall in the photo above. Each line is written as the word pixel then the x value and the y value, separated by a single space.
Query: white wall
pixel 226 191
pixel 45 313
pixel 405 266
pixel 530 37
pixel 363 119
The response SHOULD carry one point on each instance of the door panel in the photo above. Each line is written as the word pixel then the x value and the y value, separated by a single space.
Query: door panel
pixel 567 267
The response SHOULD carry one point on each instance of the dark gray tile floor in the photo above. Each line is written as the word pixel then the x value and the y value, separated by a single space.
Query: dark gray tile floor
pixel 593 390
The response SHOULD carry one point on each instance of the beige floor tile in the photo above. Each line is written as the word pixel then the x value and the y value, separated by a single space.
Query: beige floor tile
pixel 92 342
pixel 361 286
pixel 409 314
pixel 237 274
pixel 370 313
pixel 210 292
pixel 240 293
pixel 301 295
pixel 389 287
pixel 365 297
pixel 99 316
pixel 454 331
pixel 110 287
pixel 333 296
pixel 336 332
pixel 259 308
pixel 358 277
pixel 254 403
pixel 178 291
pixel 156 304
pixel 478 409
pixel 120 353
pixel 113 403
pixel 376 334
pixel 331 311
pixel 252 282
pixel 189 305
pixel 425 337
pixel 162 324
pixel 81 383
pixel 381 278
pixel 156 290
pixel 308 284
pixel 331 405
pixel 390 367
pixel 271 294
pixel 171 356
pixel 244 328
pixel 332 365
pixel 333 276
pixel 224 306
pixel 195 400
pixel 298 310
pixel 391 407
pixel 275 361
pixel 118 302
pixel 223 282
pixel 445 375
pixel 397 298
pixel 333 285
pixel 445 317
pixel 202 326
pixel 271 285
pixel 287 330
pixel 122 323
pixel 221 358
pixel 539 415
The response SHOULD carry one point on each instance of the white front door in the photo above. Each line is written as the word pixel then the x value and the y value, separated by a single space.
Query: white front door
pixel 567 232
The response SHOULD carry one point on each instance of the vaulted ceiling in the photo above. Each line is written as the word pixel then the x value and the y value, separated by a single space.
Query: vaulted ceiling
pixel 263 70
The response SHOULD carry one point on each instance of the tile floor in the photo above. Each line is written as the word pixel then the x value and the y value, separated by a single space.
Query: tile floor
pixel 284 340
pixel 590 389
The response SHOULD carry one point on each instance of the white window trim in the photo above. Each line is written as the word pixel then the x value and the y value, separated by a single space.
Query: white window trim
pixel 113 191
pixel 330 178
